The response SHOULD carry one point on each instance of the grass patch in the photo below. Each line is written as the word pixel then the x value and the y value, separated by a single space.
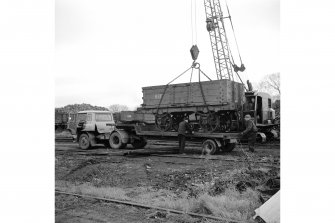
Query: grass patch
pixel 231 204
pixel 89 189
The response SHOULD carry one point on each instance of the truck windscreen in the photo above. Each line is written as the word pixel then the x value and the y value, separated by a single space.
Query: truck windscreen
pixel 103 117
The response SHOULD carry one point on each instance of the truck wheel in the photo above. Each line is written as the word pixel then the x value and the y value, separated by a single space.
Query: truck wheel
pixel 139 144
pixel 209 146
pixel 228 147
pixel 84 141
pixel 115 141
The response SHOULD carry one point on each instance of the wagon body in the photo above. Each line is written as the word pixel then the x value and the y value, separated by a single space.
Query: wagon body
pixel 215 95
pixel 61 118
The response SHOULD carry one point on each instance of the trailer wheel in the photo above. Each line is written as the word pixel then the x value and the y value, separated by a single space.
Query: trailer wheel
pixel 84 141
pixel 228 147
pixel 139 144
pixel 115 141
pixel 209 146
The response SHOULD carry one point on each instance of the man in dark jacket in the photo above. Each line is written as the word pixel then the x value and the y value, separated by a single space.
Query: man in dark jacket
pixel 250 132
pixel 183 127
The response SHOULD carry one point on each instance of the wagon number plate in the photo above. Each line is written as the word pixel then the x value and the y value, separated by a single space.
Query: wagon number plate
pixel 158 96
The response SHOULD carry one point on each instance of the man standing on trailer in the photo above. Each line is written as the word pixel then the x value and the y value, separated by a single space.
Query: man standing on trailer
pixel 183 127
pixel 250 132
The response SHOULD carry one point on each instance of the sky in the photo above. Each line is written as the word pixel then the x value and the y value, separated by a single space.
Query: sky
pixel 106 51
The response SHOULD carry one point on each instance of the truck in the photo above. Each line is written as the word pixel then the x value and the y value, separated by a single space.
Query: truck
pixel 91 127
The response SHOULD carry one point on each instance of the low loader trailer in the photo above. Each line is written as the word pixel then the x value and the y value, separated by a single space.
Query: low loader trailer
pixel 99 127
pixel 138 134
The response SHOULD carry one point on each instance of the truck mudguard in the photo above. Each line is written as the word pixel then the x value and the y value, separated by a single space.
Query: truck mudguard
pixel 124 135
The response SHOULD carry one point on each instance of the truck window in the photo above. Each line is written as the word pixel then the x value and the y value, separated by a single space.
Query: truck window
pixel 103 117
pixel 269 103
pixel 89 117
pixel 72 118
pixel 81 117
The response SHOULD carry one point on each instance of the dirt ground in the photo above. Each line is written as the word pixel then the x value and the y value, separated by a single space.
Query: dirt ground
pixel 179 183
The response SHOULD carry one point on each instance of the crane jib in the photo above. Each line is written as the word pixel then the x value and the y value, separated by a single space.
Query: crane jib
pixel 223 59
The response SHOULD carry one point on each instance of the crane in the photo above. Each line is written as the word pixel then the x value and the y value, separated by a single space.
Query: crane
pixel 223 60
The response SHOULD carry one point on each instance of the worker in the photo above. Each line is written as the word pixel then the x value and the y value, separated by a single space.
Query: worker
pixel 182 128
pixel 250 132
pixel 209 25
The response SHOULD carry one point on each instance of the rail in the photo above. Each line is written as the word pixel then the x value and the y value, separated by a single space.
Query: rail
pixel 150 207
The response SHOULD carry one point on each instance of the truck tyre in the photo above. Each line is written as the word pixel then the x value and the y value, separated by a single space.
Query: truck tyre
pixel 139 144
pixel 115 141
pixel 84 141
pixel 228 147
pixel 209 147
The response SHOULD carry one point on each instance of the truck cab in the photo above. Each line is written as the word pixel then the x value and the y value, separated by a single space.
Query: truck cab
pixel 259 106
pixel 91 127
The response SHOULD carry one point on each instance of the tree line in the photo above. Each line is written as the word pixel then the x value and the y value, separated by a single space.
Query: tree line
pixel 269 84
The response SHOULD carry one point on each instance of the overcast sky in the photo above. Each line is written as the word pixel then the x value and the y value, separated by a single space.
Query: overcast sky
pixel 106 51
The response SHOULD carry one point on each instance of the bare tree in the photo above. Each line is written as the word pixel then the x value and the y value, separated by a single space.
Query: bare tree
pixel 270 84
pixel 117 108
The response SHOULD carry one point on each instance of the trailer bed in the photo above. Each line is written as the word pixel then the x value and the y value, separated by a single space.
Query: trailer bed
pixel 227 135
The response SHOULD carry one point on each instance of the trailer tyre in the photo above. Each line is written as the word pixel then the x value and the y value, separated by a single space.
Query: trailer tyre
pixel 84 141
pixel 115 141
pixel 209 147
pixel 228 147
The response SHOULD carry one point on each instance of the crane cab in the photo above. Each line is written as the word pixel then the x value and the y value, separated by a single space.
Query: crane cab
pixel 259 106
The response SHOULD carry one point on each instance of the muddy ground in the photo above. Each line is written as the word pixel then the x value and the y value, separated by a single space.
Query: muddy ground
pixel 155 179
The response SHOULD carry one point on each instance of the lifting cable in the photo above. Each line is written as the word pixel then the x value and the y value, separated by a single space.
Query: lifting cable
pixel 191 75
pixel 229 16
pixel 205 74
pixel 238 50
pixel 234 69
pixel 241 81
pixel 166 87
pixel 202 91
pixel 194 22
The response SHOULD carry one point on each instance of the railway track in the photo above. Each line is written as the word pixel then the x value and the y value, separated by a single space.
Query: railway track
pixel 135 204
pixel 164 143
pixel 170 156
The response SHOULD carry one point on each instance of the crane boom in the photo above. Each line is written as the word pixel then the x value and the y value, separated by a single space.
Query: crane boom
pixel 219 42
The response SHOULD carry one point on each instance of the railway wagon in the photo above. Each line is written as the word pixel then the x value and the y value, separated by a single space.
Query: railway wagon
pixel 61 119
pixel 210 106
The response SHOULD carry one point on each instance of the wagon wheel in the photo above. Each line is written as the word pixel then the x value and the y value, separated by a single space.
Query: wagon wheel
pixel 210 122
pixel 226 122
pixel 163 121
pixel 176 119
